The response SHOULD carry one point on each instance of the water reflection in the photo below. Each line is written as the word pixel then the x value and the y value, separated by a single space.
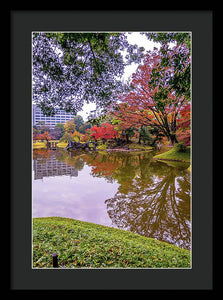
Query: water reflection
pixel 152 198
pixel 156 206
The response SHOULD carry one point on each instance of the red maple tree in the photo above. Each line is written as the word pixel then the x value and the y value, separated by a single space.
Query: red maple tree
pixel 152 101
pixel 106 131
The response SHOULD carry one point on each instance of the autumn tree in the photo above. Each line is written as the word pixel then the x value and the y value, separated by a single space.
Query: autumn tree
pixel 43 136
pixel 76 135
pixel 69 126
pixel 105 132
pixel 157 92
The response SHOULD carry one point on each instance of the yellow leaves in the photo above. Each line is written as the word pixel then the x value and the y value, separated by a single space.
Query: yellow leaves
pixel 77 135
pixel 69 126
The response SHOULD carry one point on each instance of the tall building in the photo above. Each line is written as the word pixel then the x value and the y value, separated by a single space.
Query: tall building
pixel 60 117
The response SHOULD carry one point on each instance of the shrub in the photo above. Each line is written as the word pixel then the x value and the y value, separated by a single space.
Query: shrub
pixel 180 147
pixel 66 137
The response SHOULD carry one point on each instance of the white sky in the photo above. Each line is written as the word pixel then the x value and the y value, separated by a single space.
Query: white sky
pixel 133 38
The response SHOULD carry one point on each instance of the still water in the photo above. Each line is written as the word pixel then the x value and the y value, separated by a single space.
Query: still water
pixel 130 191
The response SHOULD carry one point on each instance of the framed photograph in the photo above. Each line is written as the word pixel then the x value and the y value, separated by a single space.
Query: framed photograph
pixel 111 183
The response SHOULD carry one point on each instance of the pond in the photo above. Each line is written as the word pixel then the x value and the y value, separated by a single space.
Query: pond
pixel 131 191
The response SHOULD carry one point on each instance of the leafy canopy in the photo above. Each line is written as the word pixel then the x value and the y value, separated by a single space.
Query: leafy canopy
pixel 70 68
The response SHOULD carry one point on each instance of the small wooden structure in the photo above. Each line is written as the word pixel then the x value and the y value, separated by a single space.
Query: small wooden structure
pixel 52 145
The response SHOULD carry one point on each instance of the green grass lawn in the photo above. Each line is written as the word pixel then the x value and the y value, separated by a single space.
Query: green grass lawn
pixel 62 144
pixel 87 245
pixel 39 145
pixel 173 154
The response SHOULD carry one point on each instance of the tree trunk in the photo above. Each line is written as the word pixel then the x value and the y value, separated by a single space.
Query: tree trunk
pixel 140 135
pixel 127 138
pixel 173 139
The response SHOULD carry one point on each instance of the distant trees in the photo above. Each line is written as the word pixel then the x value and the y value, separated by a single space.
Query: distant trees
pixel 78 121
pixel 42 136
pixel 72 129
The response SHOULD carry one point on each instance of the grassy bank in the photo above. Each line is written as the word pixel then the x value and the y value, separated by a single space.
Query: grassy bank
pixel 125 148
pixel 39 145
pixel 175 154
pixel 140 147
pixel 87 245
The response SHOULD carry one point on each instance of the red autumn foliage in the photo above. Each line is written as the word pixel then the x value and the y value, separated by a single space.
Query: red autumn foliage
pixel 151 104
pixel 42 136
pixel 184 125
pixel 105 131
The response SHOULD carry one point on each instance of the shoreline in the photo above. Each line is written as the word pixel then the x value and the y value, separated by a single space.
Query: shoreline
pixel 169 159
pixel 125 150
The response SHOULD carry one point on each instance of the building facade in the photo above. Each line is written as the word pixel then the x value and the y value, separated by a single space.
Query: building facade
pixel 60 117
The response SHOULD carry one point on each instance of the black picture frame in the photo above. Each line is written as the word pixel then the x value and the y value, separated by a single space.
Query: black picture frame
pixel 22 276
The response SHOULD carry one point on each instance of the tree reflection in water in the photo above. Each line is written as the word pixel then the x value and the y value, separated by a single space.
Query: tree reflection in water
pixel 153 198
